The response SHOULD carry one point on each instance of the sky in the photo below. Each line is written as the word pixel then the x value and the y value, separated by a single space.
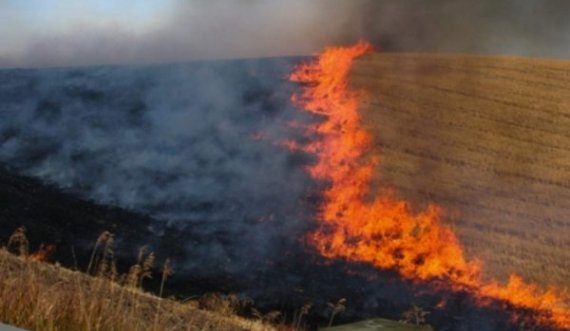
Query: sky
pixel 36 33
pixel 25 19
pixel 25 23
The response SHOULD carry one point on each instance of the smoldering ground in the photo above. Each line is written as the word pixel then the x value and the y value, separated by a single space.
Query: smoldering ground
pixel 195 146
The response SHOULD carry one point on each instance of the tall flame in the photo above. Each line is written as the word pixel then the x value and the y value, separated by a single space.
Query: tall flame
pixel 375 227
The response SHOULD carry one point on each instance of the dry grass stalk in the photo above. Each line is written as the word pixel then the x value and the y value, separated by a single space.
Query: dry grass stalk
pixel 40 296
pixel 415 315
pixel 298 319
pixel 336 308
pixel 167 271
pixel 19 239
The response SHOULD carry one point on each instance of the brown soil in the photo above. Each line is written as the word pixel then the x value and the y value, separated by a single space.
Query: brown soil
pixel 488 138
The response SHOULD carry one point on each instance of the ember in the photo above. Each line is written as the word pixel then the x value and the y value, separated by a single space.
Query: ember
pixel 43 254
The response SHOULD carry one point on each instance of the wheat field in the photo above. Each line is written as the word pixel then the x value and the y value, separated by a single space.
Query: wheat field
pixel 488 138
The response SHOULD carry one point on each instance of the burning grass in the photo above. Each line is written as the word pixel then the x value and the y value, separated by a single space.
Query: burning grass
pixel 359 225
pixel 41 296
pixel 485 137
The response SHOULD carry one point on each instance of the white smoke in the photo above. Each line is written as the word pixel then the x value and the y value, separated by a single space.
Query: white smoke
pixel 206 29
pixel 174 142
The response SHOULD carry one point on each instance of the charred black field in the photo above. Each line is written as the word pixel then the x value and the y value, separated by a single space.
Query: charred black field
pixel 192 146
pixel 298 277
pixel 188 160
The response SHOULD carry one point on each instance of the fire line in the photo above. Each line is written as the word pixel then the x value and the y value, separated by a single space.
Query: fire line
pixel 384 231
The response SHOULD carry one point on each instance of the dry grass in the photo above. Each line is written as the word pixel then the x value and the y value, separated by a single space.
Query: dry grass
pixel 41 296
pixel 486 137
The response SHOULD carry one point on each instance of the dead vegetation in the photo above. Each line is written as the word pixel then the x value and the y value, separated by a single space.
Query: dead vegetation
pixel 42 296
pixel 485 137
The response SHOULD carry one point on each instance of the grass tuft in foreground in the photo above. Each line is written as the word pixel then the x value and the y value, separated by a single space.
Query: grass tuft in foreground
pixel 39 296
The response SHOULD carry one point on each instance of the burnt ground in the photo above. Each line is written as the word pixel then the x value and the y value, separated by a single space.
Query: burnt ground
pixel 52 216
pixel 73 224
pixel 194 147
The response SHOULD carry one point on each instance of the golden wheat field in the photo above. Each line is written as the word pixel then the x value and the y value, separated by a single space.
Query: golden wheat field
pixel 487 138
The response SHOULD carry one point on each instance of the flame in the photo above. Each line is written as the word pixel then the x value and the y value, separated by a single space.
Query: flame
pixel 357 224
pixel 43 253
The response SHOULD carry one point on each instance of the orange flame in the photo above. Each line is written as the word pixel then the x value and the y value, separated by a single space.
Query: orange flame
pixel 43 253
pixel 382 230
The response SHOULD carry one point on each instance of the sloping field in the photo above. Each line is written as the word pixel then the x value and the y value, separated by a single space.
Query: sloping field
pixel 41 296
pixel 488 138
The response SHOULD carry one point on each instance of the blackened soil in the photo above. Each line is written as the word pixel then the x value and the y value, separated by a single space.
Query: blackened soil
pixel 55 217
pixel 51 216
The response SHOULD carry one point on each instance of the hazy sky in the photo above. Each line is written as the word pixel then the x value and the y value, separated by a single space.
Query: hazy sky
pixel 25 23
pixel 83 32
pixel 23 20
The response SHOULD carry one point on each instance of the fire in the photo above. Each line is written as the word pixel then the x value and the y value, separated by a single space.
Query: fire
pixel 43 253
pixel 360 225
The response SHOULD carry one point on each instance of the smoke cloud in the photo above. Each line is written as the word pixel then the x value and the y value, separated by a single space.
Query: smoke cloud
pixel 202 29
pixel 194 146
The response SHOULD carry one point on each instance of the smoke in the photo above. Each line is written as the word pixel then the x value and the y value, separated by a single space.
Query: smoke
pixel 194 145
pixel 201 29
pixel 191 145
pixel 192 30
pixel 254 28
pixel 526 28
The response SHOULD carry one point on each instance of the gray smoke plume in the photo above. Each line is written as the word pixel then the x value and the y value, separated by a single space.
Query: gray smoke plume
pixel 527 28
pixel 196 146
pixel 205 29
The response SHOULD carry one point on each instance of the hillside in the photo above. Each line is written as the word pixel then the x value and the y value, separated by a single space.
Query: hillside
pixel 72 224
pixel 485 137
pixel 156 156
pixel 41 296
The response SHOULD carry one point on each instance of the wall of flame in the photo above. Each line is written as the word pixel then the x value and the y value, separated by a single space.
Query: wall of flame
pixel 358 224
